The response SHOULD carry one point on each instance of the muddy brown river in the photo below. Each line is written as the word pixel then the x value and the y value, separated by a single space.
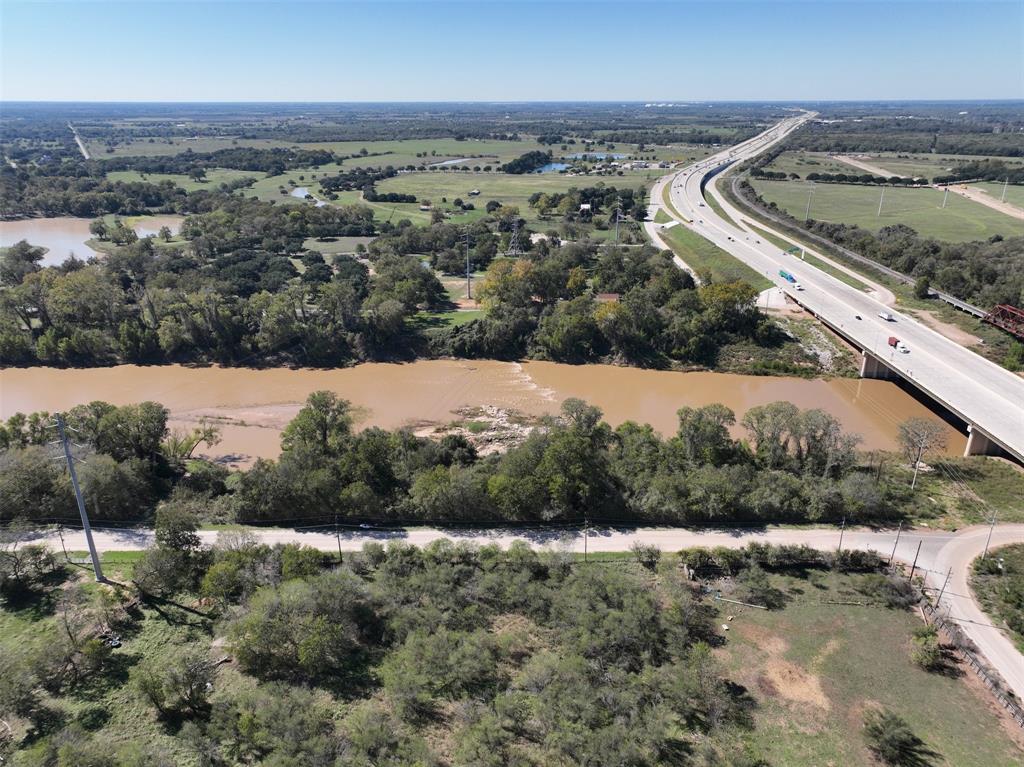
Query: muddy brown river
pixel 254 405
pixel 65 236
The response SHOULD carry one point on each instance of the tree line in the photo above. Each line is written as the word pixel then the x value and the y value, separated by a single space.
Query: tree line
pixel 526 163
pixel 921 135
pixel 839 178
pixel 792 466
pixel 985 273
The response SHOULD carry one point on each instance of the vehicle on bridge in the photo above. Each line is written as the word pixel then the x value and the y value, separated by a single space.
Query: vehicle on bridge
pixel 787 276
pixel 898 345
pixel 887 316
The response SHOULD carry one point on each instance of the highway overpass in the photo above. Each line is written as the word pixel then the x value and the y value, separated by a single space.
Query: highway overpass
pixel 987 398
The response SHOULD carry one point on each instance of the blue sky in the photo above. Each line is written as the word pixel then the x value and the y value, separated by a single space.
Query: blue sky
pixel 510 51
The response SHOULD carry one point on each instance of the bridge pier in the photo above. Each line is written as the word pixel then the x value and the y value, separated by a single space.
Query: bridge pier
pixel 979 443
pixel 872 367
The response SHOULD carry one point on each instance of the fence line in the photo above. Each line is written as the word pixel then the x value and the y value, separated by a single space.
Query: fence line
pixel 995 686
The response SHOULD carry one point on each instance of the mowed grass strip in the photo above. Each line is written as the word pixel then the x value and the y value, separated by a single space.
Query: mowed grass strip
pixel 815 668
pixel 919 208
pixel 705 257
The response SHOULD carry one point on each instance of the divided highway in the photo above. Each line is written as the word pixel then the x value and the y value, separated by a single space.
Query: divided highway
pixel 978 391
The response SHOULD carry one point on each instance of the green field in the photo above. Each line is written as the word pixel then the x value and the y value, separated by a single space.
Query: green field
pixel 398 153
pixel 160 146
pixel 926 165
pixel 507 189
pixel 802 163
pixel 446 319
pixel 214 178
pixel 335 245
pixel 815 668
pixel 704 257
pixel 961 220
pixel 1014 193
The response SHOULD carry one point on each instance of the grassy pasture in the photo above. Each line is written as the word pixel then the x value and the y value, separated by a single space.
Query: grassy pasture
pixel 1014 194
pixel 927 165
pixel 508 189
pixel 803 163
pixel 161 146
pixel 920 208
pixel 214 178
pixel 814 668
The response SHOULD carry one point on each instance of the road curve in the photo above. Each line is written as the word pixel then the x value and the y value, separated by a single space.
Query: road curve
pixel 939 551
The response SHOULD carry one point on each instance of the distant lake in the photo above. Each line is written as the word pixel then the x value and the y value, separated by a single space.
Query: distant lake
pixel 65 235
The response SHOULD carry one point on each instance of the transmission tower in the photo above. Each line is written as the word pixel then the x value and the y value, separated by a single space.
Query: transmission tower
pixel 514 248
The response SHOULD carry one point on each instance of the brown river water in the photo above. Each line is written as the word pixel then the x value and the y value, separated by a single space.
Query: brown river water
pixel 254 405
pixel 65 235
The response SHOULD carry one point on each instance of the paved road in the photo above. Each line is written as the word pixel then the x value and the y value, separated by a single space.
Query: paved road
pixel 939 552
pixel 979 391
pixel 78 140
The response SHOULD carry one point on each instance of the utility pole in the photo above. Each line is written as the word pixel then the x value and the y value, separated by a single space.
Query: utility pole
pixel 78 497
pixel 943 589
pixel 917 465
pixel 842 530
pixel 893 555
pixel 945 197
pixel 586 535
pixel 880 199
pixel 914 566
pixel 1005 183
pixel 991 527
pixel 337 536
pixel 807 213
pixel 469 274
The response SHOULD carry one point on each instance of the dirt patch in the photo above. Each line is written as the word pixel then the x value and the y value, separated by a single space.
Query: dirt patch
pixel 950 331
pixel 796 685
pixel 490 429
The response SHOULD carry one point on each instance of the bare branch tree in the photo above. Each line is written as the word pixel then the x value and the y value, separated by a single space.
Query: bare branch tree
pixel 918 437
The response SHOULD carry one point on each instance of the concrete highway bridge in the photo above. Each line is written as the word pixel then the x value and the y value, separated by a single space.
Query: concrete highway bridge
pixel 988 399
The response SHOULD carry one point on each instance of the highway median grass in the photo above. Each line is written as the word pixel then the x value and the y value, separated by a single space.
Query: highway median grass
pixel 704 257
pixel 811 259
